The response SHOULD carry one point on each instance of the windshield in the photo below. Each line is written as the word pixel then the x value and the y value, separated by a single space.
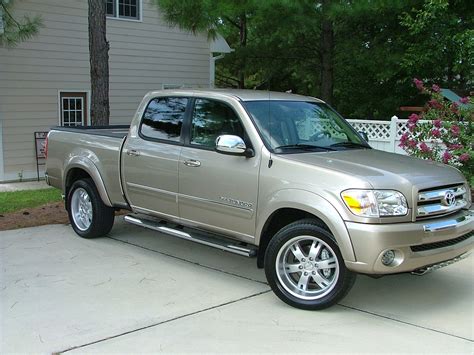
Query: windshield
pixel 289 126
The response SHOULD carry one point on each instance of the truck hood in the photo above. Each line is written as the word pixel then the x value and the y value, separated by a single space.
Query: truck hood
pixel 384 170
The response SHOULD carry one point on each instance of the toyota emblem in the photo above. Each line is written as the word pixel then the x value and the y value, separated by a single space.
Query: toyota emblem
pixel 449 199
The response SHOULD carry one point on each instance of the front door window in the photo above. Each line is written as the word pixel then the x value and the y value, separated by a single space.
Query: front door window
pixel 212 119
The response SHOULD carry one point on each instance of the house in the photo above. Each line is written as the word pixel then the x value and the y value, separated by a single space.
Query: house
pixel 447 94
pixel 451 96
pixel 45 81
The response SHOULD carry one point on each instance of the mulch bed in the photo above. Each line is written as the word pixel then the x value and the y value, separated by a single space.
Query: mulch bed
pixel 51 213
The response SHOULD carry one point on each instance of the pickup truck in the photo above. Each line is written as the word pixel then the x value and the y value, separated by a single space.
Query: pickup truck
pixel 276 176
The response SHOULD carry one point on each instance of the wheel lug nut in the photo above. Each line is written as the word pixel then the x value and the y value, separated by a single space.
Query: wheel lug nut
pixel 303 260
pixel 310 259
pixel 305 274
pixel 301 266
pixel 314 272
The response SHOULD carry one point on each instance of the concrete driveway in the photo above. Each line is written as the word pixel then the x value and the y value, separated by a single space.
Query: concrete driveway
pixel 139 291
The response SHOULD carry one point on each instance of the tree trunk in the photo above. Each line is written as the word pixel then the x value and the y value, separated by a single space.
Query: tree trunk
pixel 99 63
pixel 327 55
pixel 243 43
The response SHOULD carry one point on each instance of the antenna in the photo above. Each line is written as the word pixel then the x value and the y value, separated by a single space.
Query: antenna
pixel 270 161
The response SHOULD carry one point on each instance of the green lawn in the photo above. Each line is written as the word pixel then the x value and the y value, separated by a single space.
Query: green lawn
pixel 17 200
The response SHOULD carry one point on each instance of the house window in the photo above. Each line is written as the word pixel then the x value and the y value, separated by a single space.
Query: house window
pixel 111 8
pixel 73 109
pixel 124 9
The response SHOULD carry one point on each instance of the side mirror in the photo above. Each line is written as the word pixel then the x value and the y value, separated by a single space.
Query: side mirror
pixel 364 135
pixel 234 145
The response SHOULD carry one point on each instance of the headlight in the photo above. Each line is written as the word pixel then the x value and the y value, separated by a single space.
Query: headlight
pixel 375 203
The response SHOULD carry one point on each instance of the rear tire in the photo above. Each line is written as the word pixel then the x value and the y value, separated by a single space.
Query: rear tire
pixel 89 216
pixel 305 268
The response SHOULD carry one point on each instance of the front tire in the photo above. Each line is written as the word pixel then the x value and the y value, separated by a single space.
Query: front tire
pixel 89 216
pixel 305 268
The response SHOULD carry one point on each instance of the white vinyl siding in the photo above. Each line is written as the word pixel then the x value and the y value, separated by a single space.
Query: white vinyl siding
pixel 143 56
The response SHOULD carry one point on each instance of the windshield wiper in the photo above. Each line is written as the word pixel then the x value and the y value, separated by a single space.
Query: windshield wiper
pixel 350 144
pixel 307 147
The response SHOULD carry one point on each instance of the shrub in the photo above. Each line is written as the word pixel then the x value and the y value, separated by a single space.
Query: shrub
pixel 443 132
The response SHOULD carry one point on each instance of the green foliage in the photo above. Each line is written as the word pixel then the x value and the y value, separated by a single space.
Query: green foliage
pixel 440 42
pixel 246 25
pixel 17 200
pixel 447 135
pixel 379 46
pixel 14 31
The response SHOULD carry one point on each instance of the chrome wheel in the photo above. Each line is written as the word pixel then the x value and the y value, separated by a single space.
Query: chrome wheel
pixel 307 267
pixel 89 216
pixel 81 209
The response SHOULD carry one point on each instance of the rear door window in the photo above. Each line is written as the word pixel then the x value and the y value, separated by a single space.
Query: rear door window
pixel 163 118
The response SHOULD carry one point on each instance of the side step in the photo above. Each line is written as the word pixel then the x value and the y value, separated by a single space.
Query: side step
pixel 195 236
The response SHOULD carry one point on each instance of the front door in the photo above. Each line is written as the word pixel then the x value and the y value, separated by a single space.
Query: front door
pixel 216 191
pixel 150 158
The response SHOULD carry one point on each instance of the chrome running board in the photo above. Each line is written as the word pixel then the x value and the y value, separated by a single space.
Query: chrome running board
pixel 194 236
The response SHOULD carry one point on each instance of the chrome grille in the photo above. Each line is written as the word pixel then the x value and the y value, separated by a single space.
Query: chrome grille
pixel 441 201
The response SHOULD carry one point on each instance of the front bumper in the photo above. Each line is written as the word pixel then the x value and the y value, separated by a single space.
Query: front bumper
pixel 416 244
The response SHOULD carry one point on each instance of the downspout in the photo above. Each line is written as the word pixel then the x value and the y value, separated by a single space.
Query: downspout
pixel 212 68
pixel 2 170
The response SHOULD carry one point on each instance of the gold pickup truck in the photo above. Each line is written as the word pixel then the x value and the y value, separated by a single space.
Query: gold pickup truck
pixel 275 176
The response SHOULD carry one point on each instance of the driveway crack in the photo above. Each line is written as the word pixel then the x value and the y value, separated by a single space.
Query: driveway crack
pixel 405 322
pixel 189 261
pixel 163 322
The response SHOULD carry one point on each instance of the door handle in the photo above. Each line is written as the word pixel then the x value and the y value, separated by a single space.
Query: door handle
pixel 133 152
pixel 192 163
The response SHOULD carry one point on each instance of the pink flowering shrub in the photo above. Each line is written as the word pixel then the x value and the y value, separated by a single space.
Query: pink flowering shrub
pixel 447 133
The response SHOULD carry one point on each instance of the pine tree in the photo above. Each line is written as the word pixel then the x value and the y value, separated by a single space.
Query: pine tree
pixel 14 30
pixel 360 56
pixel 99 63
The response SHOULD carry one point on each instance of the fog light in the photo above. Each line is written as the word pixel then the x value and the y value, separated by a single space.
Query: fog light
pixel 388 257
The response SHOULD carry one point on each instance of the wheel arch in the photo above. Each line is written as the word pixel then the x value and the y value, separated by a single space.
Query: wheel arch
pixel 81 168
pixel 293 205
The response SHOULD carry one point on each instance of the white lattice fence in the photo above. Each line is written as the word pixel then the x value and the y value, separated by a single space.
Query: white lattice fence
pixel 306 128
pixel 383 135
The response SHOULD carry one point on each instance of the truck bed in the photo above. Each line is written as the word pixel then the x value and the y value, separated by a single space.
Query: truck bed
pixel 115 131
pixel 96 150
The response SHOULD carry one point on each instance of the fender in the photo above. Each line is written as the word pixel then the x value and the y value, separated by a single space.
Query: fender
pixel 90 168
pixel 313 204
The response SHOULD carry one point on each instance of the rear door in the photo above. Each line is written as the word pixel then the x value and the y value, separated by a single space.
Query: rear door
pixel 217 192
pixel 150 158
